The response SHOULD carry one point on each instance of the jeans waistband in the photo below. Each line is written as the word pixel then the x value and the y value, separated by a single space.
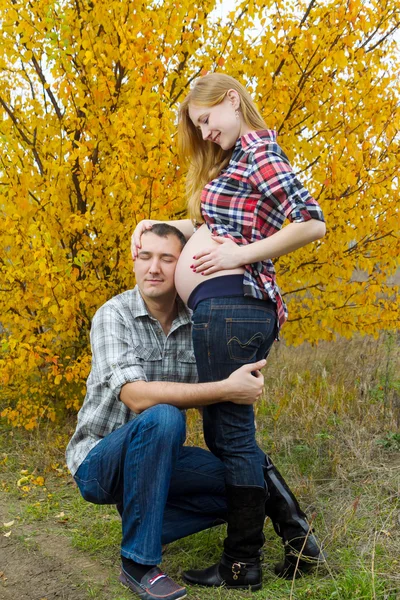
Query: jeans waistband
pixel 225 285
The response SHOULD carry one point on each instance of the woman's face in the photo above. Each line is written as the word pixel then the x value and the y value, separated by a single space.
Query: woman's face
pixel 218 124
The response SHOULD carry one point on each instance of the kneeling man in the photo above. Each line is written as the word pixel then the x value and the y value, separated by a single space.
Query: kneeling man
pixel 128 447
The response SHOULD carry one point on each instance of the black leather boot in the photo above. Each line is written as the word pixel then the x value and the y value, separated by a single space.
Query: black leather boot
pixel 240 564
pixel 302 549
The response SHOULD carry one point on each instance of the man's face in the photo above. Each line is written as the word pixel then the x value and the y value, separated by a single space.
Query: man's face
pixel 155 265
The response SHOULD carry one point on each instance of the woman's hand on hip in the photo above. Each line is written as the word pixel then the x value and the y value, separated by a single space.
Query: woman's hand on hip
pixel 227 255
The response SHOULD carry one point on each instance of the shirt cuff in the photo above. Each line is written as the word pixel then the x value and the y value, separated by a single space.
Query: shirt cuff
pixel 300 215
pixel 122 375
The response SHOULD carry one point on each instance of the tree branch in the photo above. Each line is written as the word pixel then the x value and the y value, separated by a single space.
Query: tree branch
pixel 46 87
pixel 303 20
pixel 23 135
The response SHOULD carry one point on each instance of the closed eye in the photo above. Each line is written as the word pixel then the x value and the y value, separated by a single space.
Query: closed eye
pixel 203 122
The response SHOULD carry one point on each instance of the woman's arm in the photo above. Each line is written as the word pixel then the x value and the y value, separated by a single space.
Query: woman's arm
pixel 229 255
pixel 185 226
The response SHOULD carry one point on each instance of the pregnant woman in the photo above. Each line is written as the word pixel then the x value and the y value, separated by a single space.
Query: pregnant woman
pixel 242 187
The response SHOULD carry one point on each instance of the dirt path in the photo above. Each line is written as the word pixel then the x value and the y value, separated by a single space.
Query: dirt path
pixel 40 564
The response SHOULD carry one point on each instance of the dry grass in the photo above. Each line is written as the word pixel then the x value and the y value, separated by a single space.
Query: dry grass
pixel 337 398
pixel 330 419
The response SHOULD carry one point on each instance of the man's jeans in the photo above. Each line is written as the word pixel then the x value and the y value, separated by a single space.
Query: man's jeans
pixel 229 332
pixel 164 491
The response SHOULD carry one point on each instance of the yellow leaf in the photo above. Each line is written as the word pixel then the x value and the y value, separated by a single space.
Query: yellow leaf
pixel 9 524
pixel 22 481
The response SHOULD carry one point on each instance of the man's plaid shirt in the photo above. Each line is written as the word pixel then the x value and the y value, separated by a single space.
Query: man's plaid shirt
pixel 128 345
pixel 250 200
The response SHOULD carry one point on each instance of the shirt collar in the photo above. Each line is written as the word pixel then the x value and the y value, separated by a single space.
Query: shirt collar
pixel 139 308
pixel 254 137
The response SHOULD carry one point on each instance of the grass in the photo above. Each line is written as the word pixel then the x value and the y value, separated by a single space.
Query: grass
pixel 330 419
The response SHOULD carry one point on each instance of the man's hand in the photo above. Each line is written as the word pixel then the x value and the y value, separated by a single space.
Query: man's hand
pixel 246 384
pixel 243 386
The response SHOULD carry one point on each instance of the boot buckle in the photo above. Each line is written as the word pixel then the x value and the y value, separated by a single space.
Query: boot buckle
pixel 236 567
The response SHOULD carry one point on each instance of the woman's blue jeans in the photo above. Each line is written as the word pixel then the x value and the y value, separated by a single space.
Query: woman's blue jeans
pixel 229 332
pixel 164 490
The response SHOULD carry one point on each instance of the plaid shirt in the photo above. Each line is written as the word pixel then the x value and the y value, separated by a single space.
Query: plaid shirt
pixel 250 200
pixel 128 344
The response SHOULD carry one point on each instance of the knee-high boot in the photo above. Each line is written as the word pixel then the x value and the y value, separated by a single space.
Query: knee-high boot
pixel 240 564
pixel 302 549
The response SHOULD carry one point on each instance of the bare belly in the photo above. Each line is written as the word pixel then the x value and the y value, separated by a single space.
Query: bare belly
pixel 185 279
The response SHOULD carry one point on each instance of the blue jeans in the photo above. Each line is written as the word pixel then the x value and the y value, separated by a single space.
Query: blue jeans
pixel 229 332
pixel 164 490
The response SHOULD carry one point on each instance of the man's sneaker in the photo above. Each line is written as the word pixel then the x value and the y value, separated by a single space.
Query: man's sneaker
pixel 153 586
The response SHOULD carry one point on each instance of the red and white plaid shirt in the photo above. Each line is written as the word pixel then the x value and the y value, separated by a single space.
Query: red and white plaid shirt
pixel 250 200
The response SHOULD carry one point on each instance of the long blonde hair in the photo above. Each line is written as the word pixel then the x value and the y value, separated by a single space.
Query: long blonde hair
pixel 205 160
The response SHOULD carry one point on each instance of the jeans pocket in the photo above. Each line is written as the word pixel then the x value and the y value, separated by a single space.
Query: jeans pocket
pixel 201 316
pixel 88 478
pixel 92 491
pixel 246 338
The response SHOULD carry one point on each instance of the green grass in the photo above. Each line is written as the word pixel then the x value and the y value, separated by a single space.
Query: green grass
pixel 330 418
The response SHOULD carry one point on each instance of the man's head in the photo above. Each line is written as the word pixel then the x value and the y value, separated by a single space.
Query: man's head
pixel 156 261
pixel 164 230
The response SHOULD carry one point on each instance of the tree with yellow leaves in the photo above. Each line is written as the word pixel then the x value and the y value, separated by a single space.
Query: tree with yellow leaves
pixel 89 91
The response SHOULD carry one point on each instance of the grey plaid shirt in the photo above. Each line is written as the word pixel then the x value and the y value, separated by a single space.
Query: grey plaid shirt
pixel 128 345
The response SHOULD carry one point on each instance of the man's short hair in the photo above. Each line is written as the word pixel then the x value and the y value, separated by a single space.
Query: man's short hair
pixel 164 230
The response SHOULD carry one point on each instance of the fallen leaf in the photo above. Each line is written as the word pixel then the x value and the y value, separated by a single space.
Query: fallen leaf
pixel 387 533
pixel 23 480
pixel 7 534
pixel 9 524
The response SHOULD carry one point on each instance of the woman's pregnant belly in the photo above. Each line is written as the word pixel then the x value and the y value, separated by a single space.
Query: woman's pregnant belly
pixel 185 279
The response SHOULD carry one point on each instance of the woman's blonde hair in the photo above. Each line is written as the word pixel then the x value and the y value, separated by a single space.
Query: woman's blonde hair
pixel 205 159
